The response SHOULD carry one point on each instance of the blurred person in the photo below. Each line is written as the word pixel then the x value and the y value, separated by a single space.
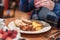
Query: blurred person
pixel 53 6
pixel 34 4
pixel 9 8
pixel 47 10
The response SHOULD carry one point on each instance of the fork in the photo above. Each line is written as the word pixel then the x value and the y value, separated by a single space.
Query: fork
pixel 52 36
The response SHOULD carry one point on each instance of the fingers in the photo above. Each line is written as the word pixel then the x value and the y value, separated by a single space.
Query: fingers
pixel 45 3
pixel 38 2
pixel 41 3
pixel 48 4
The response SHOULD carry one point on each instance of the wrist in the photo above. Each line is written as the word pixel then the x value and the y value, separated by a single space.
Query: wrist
pixel 53 5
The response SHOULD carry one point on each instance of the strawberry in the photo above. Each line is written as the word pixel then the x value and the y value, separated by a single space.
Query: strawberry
pixel 1 31
pixel 14 36
pixel 5 35
pixel 15 31
pixel 10 33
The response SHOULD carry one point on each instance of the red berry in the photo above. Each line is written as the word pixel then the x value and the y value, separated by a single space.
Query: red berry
pixel 10 33
pixel 5 35
pixel 14 36
pixel 1 31
pixel 8 38
pixel 15 32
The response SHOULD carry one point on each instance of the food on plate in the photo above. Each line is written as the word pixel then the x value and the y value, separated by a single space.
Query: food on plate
pixel 36 25
pixel 19 22
pixel 26 21
pixel 28 25
pixel 8 34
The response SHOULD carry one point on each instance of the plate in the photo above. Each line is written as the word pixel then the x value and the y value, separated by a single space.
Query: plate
pixel 18 35
pixel 46 28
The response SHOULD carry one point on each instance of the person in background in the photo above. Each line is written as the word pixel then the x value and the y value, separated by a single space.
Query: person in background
pixel 9 8
pixel 17 4
pixel 55 7
pixel 36 4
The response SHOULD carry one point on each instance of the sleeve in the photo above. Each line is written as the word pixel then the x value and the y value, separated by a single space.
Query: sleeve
pixel 31 5
pixel 56 9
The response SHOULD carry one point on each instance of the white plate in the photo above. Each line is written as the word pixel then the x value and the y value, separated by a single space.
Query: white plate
pixel 46 28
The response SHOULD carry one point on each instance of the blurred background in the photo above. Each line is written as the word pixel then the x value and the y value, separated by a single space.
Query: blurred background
pixel 8 8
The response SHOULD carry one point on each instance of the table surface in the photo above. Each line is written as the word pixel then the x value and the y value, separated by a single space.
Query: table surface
pixel 41 36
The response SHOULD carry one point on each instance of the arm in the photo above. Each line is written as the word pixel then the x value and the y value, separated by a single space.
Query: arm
pixel 56 9
pixel 31 5
pixel 50 5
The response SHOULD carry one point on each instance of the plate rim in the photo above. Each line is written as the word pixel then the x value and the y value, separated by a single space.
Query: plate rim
pixel 32 32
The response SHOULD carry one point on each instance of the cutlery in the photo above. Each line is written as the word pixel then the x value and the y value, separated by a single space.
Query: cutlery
pixel 52 36
pixel 58 38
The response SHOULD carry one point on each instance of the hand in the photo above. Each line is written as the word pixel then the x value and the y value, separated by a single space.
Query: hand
pixel 44 3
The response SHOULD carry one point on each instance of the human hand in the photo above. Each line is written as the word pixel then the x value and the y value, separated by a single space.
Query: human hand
pixel 44 3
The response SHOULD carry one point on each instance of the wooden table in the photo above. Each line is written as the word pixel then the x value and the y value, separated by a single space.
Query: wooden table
pixel 19 14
